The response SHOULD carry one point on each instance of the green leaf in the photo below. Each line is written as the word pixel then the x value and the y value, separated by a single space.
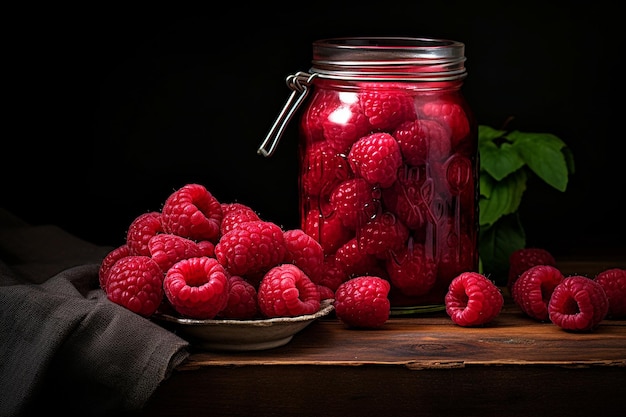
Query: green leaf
pixel 499 161
pixel 542 153
pixel 489 134
pixel 496 244
pixel 499 198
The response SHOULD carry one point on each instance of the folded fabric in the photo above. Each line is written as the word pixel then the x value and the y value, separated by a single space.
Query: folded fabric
pixel 63 345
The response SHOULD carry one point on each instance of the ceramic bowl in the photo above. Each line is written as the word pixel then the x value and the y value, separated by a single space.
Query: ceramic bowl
pixel 242 335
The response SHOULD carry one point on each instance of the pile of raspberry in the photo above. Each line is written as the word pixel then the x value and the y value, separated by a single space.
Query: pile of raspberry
pixel 201 258
pixel 575 303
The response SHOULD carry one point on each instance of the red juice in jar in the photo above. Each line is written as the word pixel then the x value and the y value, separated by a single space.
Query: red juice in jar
pixel 389 164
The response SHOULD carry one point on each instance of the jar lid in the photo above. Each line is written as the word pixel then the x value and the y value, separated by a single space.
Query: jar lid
pixel 389 58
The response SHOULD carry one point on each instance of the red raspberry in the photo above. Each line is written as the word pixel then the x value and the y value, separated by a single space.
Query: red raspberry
pixel 386 109
pixel 322 104
pixel 613 281
pixel 326 293
pixel 533 289
pixel 382 234
pixel 242 300
pixel 376 158
pixel 354 261
pixel 362 302
pixel 345 124
pixel 109 260
pixel 332 275
pixel 411 271
pixel 207 248
pixel 323 168
pixel 141 230
pixel 352 200
pixel 251 247
pixel 136 282
pixel 450 114
pixel 422 141
pixel 235 213
pixel 578 304
pixel 192 212
pixel 167 249
pixel 328 231
pixel 304 252
pixel 286 291
pixel 410 196
pixel 525 258
pixel 197 288
pixel 473 300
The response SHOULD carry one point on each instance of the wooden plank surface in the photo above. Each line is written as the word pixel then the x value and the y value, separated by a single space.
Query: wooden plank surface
pixel 422 365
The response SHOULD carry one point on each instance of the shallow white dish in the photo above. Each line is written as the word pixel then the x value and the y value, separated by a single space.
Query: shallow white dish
pixel 242 335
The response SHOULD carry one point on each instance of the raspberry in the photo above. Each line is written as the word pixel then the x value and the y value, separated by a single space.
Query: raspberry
pixel 450 114
pixel 613 281
pixel 323 168
pixel 410 196
pixel 242 300
pixel 286 291
pixel 533 289
pixel 345 124
pixel 328 231
pixel 578 304
pixel 386 109
pixel 522 259
pixel 166 249
pixel 141 230
pixel 251 247
pixel 136 282
pixel 192 212
pixel 304 252
pixel 109 260
pixel 352 200
pixel 322 104
pixel 473 300
pixel 326 293
pixel 207 248
pixel 332 275
pixel 376 158
pixel 197 287
pixel 422 141
pixel 354 261
pixel 362 302
pixel 411 271
pixel 235 213
pixel 382 234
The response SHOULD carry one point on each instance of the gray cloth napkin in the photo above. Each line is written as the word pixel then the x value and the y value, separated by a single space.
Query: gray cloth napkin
pixel 63 345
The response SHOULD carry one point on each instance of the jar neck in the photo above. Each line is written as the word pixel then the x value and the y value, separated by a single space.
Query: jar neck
pixel 389 59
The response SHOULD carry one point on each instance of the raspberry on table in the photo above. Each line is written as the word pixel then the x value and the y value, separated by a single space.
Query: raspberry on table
pixel 533 289
pixel 192 212
pixel 167 249
pixel 613 281
pixel 242 300
pixel 304 252
pixel 109 260
pixel 286 291
pixel 251 247
pixel 411 271
pixel 197 287
pixel 141 230
pixel 234 214
pixel 522 259
pixel 473 300
pixel 578 304
pixel 136 282
pixel 376 158
pixel 362 302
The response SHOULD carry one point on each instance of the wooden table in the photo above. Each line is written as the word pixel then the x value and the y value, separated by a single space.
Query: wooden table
pixel 413 366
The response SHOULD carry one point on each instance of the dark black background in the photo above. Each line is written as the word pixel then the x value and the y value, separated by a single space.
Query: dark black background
pixel 110 110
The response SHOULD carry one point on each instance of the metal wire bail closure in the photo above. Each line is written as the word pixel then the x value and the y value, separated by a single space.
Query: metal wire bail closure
pixel 299 83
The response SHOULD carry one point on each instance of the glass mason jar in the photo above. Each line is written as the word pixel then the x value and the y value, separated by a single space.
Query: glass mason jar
pixel 388 149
